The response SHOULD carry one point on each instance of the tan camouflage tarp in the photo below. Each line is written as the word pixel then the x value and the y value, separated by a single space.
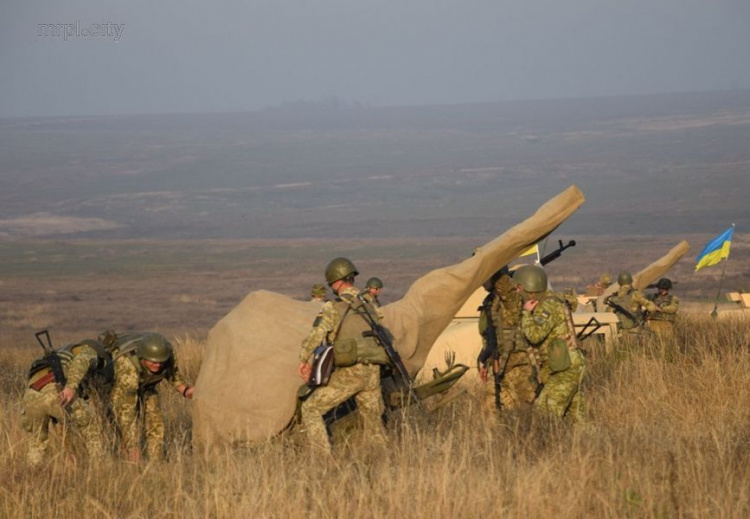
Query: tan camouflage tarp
pixel 247 384
pixel 651 273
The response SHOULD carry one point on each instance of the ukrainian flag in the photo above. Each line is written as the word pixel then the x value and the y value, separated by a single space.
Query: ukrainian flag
pixel 716 250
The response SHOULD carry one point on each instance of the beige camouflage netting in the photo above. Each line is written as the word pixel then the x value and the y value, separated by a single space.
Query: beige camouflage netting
pixel 246 389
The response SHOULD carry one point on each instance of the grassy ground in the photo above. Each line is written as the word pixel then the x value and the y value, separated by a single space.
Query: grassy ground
pixel 667 437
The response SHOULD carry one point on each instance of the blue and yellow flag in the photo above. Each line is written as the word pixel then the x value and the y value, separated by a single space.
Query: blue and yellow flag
pixel 716 250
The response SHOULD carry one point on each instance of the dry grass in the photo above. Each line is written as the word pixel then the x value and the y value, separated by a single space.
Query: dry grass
pixel 668 436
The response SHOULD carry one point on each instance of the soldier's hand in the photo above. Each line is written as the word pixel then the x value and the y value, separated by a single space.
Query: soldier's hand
pixel 66 396
pixel 305 370
pixel 530 305
pixel 483 373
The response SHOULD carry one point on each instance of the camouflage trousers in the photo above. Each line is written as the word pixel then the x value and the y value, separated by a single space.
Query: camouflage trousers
pixel 40 407
pixel 153 424
pixel 561 395
pixel 361 381
pixel 517 386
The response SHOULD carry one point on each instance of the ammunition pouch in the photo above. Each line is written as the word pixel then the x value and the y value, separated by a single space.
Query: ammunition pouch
pixel 348 352
pixel 558 356
pixel 344 352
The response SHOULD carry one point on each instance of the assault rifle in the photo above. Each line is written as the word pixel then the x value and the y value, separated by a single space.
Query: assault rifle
pixel 51 357
pixel 639 321
pixel 491 351
pixel 381 334
pixel 552 256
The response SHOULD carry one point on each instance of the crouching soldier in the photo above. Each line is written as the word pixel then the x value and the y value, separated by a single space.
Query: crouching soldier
pixel 142 360
pixel 547 325
pixel 86 367
pixel 340 323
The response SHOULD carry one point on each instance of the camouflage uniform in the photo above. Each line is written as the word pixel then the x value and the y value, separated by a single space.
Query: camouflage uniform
pixel 518 382
pixel 135 386
pixel 633 301
pixel 561 392
pixel 39 407
pixel 360 380
pixel 662 319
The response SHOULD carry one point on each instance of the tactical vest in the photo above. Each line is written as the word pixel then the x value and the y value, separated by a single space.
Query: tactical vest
pixel 354 336
pixel 662 301
pixel 126 345
pixel 101 377
pixel 626 301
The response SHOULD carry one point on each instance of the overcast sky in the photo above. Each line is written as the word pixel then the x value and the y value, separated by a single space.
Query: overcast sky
pixel 212 55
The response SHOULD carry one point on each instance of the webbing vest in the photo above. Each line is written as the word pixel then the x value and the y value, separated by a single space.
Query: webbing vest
pixel 626 301
pixel 662 301
pixel 103 373
pixel 354 328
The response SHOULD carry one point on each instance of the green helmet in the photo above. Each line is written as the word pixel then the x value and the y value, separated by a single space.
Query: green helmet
pixel 154 347
pixel 625 278
pixel 531 278
pixel 318 290
pixel 374 283
pixel 664 284
pixel 339 268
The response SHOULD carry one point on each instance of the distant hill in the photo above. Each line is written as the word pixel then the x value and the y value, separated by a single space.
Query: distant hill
pixel 663 164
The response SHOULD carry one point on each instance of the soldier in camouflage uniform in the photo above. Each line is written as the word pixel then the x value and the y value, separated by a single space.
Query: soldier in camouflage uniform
pixel 142 360
pixel 318 293
pixel 87 366
pixel 502 308
pixel 629 305
pixel 662 319
pixel 338 323
pixel 373 288
pixel 547 325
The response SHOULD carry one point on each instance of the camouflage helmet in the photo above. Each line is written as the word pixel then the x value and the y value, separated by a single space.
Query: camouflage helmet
pixel 339 268
pixel 531 278
pixel 374 283
pixel 664 284
pixel 318 290
pixel 625 278
pixel 605 279
pixel 154 347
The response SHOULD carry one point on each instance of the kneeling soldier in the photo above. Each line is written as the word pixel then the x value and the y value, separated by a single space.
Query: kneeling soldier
pixel 86 366
pixel 142 360
pixel 339 323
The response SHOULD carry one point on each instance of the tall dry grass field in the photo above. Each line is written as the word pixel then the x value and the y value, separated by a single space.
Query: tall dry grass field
pixel 668 436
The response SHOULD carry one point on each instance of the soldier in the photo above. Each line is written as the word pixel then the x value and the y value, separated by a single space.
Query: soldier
pixel 547 324
pixel 661 320
pixel 505 348
pixel 372 291
pixel 598 288
pixel 629 304
pixel 318 293
pixel 142 360
pixel 338 323
pixel 87 366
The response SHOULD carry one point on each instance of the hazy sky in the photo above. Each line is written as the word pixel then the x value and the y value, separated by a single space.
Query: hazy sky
pixel 209 55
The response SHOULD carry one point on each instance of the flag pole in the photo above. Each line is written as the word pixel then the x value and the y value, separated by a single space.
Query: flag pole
pixel 714 312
